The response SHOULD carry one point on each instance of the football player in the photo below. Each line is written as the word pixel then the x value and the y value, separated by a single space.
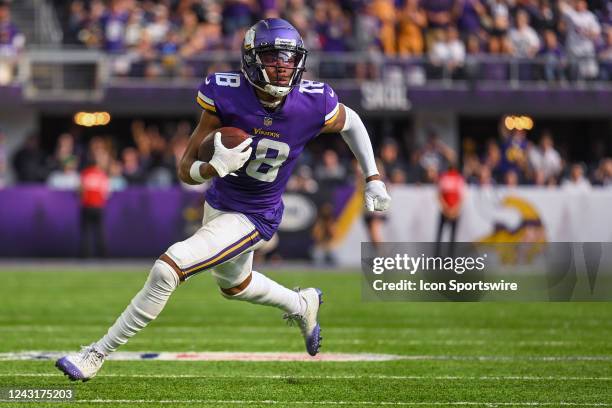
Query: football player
pixel 281 112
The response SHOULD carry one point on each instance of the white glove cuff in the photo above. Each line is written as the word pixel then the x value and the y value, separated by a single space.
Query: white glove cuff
pixel 194 172
pixel 219 166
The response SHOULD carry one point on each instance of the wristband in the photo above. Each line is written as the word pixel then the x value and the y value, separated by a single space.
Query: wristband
pixel 194 172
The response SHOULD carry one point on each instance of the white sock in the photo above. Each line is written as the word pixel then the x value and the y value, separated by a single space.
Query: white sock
pixel 143 308
pixel 264 291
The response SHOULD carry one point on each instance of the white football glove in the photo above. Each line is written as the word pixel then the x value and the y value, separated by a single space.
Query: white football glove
pixel 227 161
pixel 376 196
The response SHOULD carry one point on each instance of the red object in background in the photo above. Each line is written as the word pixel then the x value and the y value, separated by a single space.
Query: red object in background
pixel 451 186
pixel 94 187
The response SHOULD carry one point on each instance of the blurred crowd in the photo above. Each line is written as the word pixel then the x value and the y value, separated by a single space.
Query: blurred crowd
pixel 12 42
pixel 570 38
pixel 150 155
pixel 148 159
pixel 554 40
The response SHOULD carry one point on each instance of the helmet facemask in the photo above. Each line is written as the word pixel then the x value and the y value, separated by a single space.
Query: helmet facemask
pixel 280 70
pixel 274 66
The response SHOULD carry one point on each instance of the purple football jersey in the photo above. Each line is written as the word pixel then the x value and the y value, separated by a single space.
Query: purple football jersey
pixel 278 139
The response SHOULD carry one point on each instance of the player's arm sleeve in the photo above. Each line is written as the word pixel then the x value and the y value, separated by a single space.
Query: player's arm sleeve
pixel 332 107
pixel 356 137
pixel 206 95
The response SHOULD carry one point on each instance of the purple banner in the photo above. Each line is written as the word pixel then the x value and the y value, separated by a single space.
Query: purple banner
pixel 139 222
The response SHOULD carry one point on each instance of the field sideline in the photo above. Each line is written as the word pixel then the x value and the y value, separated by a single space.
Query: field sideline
pixel 480 355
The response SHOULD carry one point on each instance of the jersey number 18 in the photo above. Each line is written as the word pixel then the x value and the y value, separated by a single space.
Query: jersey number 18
pixel 269 156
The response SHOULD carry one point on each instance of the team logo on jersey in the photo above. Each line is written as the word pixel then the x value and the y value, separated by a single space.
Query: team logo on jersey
pixel 268 133
pixel 268 121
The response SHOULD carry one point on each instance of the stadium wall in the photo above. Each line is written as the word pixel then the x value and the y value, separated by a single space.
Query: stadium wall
pixel 141 222
pixel 524 214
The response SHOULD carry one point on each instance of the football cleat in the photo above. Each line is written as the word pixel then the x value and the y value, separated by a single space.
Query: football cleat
pixel 83 365
pixel 308 320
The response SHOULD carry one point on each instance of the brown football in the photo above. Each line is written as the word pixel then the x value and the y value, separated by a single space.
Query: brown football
pixel 230 137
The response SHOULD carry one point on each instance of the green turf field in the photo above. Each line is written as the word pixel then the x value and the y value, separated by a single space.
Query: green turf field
pixel 471 354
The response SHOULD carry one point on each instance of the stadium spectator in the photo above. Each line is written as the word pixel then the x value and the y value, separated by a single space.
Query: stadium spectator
pixel 411 22
pixel 159 27
pixel 133 171
pixel 576 182
pixel 65 150
pixel 543 16
pixel 485 178
pixel 334 31
pixel 447 53
pixel 498 45
pixel 134 28
pixel 552 56
pixel 474 55
pixel 12 43
pixel 603 174
pixel 545 158
pixel 511 178
pixel 469 15
pixel 514 153
pixel 430 175
pixel 435 156
pixel 583 30
pixel 113 25
pixel 192 34
pixel 323 234
pixel 384 11
pixel 524 39
pixel 439 13
pixel 451 193
pixel 30 162
pixel 330 171
pixel 116 181
pixel 67 177
pixel 237 15
pixel 302 182
pixel 78 20
pixel 389 158
pixel 94 194
pixel 605 55
pixel 471 168
pixel 300 15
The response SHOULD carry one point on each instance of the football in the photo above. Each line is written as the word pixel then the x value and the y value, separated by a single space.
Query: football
pixel 230 137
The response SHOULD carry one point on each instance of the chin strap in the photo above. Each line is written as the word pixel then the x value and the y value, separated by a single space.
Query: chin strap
pixel 270 104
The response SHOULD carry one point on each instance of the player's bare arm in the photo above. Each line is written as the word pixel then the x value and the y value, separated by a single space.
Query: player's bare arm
pixel 353 131
pixel 208 123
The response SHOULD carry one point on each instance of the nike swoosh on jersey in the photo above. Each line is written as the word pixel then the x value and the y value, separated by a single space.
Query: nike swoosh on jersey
pixel 331 93
pixel 207 80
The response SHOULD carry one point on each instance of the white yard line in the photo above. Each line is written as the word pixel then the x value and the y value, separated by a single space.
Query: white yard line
pixel 367 403
pixel 331 377
pixel 270 356
pixel 399 332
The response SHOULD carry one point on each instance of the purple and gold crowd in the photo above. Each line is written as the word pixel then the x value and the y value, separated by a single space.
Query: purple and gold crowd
pixel 555 40
pixel 570 39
